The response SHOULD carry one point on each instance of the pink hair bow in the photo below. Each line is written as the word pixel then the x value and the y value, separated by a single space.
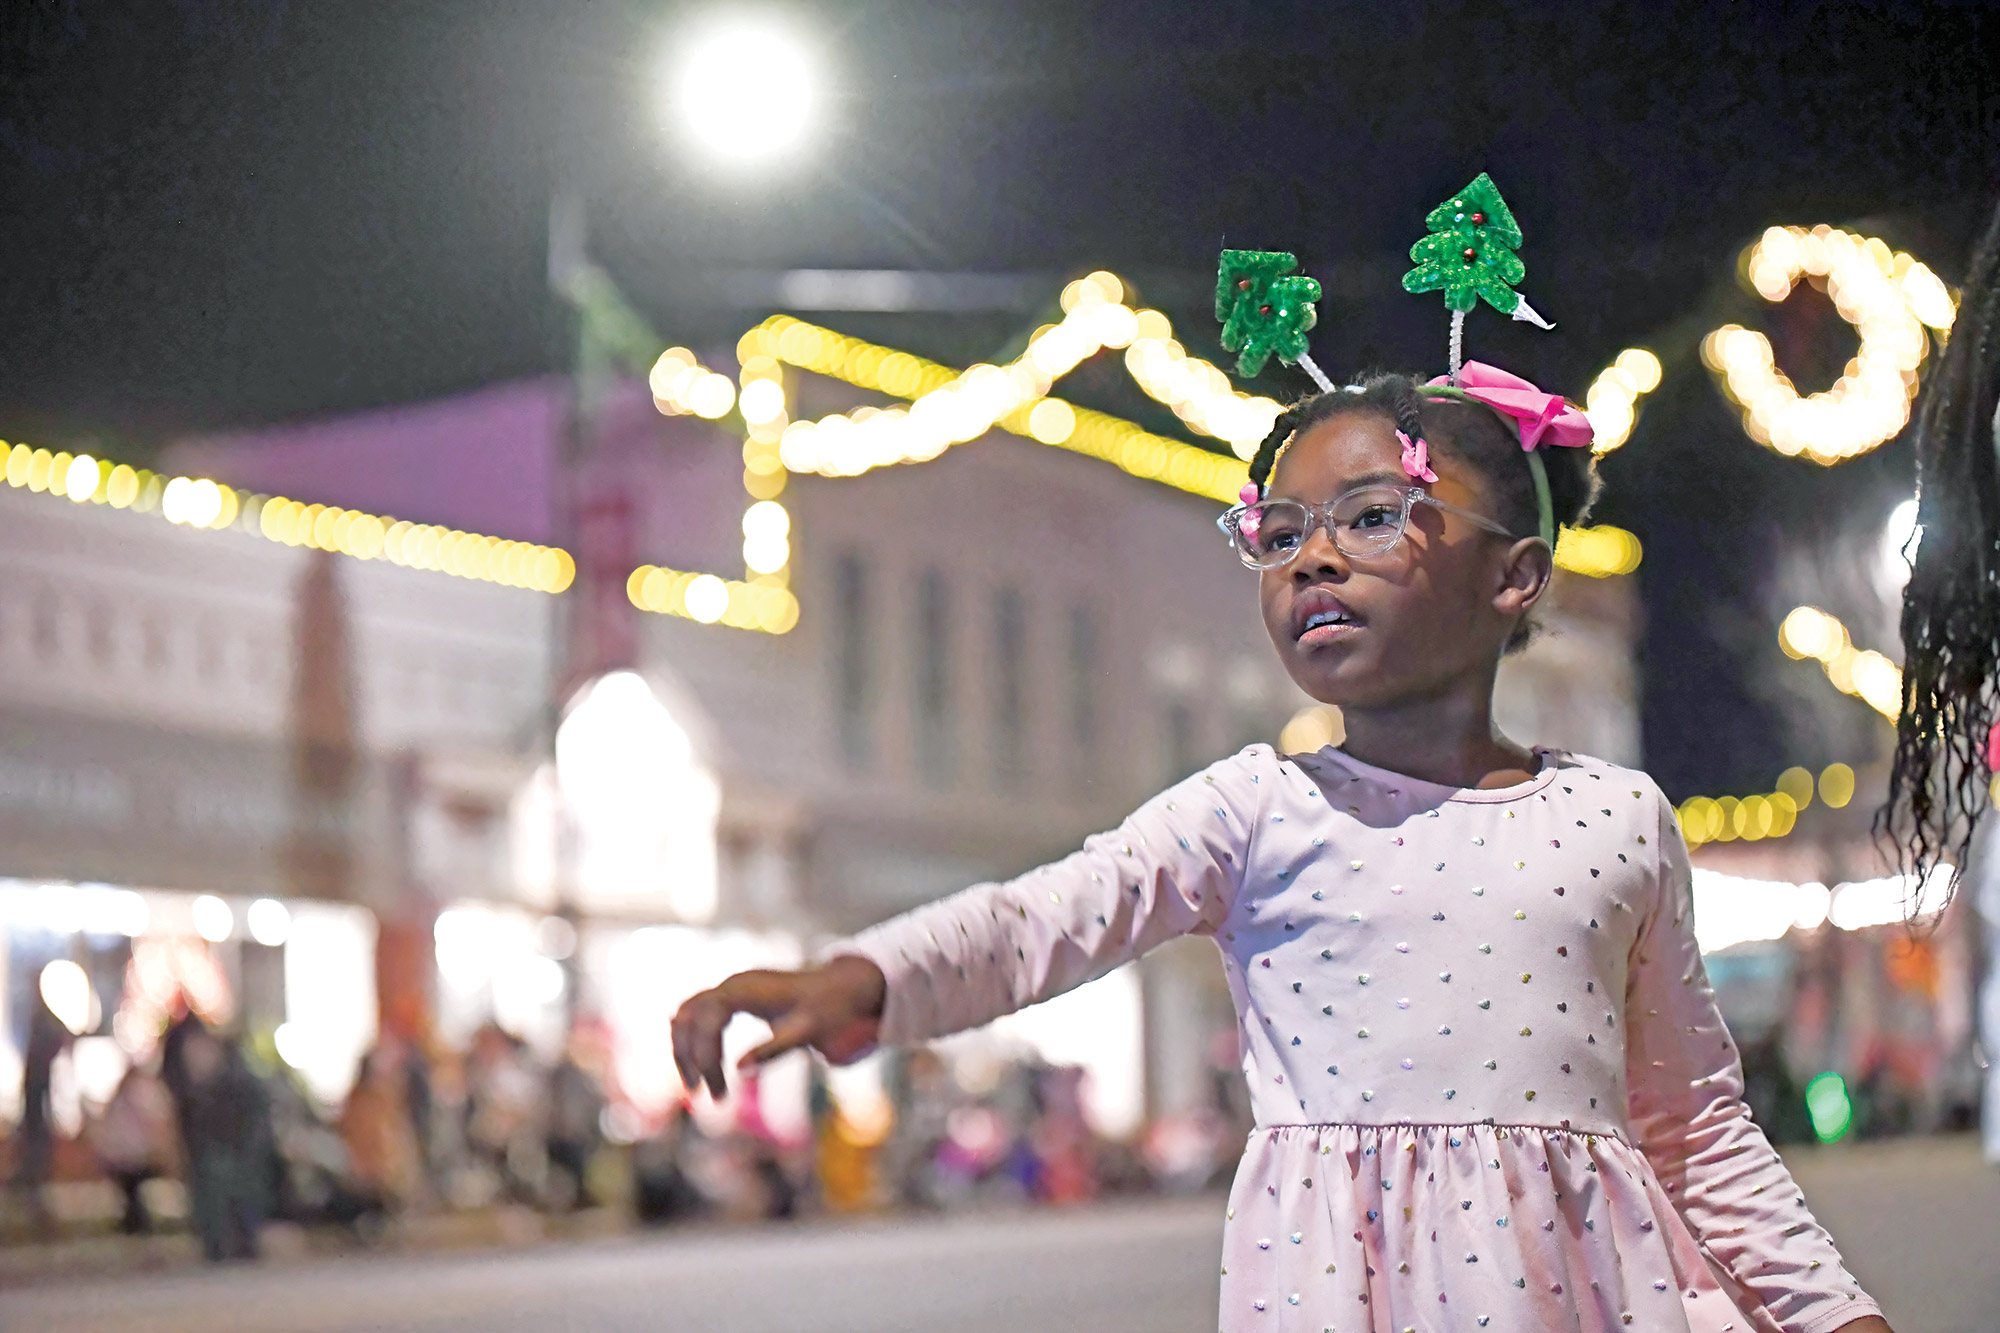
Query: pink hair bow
pixel 1247 525
pixel 1416 458
pixel 1544 418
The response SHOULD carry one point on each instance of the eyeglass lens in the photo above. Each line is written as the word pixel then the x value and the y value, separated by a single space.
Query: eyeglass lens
pixel 1362 523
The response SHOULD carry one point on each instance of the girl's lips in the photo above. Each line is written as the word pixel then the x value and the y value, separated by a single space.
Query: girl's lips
pixel 1321 636
pixel 1319 602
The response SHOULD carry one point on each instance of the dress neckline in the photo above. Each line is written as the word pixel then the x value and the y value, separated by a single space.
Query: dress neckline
pixel 1552 760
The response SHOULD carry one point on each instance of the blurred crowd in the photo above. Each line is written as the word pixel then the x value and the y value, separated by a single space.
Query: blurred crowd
pixel 212 1131
pixel 235 1130
pixel 215 1132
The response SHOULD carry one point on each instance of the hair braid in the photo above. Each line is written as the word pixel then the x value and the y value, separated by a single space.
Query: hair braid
pixel 1266 456
pixel 1409 411
pixel 1951 608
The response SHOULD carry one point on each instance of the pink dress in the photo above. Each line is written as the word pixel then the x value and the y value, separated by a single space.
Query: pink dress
pixel 1492 1088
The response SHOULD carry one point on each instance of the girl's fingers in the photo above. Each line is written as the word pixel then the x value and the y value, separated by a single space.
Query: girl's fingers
pixel 791 1031
pixel 697 1028
pixel 697 1033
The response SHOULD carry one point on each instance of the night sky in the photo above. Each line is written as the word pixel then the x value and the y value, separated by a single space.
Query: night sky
pixel 224 213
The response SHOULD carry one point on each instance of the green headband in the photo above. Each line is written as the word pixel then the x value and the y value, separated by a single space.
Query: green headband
pixel 1545 505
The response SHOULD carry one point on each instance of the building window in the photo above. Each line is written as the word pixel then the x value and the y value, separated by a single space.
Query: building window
pixel 935 738
pixel 854 664
pixel 1010 688
pixel 1083 666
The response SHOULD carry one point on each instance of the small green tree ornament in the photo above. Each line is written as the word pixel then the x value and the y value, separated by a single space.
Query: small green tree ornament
pixel 1266 309
pixel 1469 253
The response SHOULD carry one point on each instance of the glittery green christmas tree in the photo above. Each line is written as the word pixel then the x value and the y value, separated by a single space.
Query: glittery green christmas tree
pixel 1266 309
pixel 1469 253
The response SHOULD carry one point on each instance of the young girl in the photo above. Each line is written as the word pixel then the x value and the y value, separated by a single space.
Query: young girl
pixel 1491 1085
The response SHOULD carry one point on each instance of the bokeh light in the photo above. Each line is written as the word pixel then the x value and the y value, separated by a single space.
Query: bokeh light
pixel 745 91
pixel 213 920
pixel 270 922
pixel 1807 631
pixel 66 990
pixel 1887 296
pixel 1612 402
pixel 1829 1107
pixel 767 607
pixel 1312 728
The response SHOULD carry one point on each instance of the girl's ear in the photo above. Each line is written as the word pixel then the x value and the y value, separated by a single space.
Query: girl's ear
pixel 1524 577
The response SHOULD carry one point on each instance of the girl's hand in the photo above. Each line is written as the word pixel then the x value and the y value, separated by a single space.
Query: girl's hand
pixel 834 1008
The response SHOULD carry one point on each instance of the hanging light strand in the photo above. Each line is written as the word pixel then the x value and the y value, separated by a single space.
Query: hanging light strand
pixel 197 502
pixel 1861 672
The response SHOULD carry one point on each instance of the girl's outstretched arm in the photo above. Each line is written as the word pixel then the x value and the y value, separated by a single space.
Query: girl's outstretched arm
pixel 1172 868
pixel 1684 1087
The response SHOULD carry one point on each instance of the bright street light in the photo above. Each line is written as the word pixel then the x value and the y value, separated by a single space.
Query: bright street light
pixel 1898 551
pixel 745 91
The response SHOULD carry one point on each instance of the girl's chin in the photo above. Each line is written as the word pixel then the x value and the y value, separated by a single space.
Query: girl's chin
pixel 1341 687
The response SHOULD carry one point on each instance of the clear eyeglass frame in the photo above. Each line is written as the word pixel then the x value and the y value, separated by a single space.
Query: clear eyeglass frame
pixel 1340 516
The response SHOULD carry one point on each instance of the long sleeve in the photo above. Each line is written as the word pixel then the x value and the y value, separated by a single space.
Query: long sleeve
pixel 1685 1089
pixel 1172 868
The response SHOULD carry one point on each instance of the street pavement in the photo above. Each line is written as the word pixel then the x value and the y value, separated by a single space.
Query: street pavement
pixel 1919 1222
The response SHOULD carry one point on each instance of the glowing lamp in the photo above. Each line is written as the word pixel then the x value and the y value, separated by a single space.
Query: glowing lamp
pixel 745 92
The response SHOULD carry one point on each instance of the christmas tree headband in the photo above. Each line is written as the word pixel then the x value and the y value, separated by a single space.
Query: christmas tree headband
pixel 1468 253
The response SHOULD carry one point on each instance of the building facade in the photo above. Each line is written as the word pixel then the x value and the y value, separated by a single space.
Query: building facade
pixel 997 653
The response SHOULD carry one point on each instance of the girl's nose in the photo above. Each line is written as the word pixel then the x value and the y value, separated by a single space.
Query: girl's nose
pixel 1318 556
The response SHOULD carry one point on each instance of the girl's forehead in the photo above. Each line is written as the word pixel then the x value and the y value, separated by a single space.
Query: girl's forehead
pixel 1352 448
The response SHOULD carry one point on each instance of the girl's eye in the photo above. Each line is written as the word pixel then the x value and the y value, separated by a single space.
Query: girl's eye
pixel 1374 516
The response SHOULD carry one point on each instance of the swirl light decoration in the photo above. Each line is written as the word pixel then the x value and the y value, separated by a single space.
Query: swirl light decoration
pixel 1889 298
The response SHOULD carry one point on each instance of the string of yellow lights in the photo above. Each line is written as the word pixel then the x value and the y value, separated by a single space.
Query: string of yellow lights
pixel 712 600
pixel 951 407
pixel 947 407
pixel 197 502
pixel 1861 672
pixel 1772 814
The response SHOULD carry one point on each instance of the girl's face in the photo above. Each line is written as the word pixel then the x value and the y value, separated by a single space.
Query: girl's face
pixel 1422 617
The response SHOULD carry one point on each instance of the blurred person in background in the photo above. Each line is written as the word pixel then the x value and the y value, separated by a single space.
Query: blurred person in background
pixel 769 1168
pixel 506 1113
pixel 575 1131
pixel 1065 1151
pixel 924 1094
pixel 134 1141
pixel 226 1125
pixel 847 1156
pixel 316 1183
pixel 455 1174
pixel 663 1190
pixel 34 1136
pixel 386 1159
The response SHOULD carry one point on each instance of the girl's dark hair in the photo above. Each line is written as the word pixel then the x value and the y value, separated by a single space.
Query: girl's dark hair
pixel 1951 608
pixel 1468 431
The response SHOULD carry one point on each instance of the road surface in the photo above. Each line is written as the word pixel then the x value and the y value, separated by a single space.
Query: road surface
pixel 1920 1224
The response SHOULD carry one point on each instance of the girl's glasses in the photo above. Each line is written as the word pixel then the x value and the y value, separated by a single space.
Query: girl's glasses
pixel 1365 522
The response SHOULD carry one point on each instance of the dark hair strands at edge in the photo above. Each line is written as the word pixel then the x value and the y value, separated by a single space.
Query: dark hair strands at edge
pixel 1951 607
pixel 1470 432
